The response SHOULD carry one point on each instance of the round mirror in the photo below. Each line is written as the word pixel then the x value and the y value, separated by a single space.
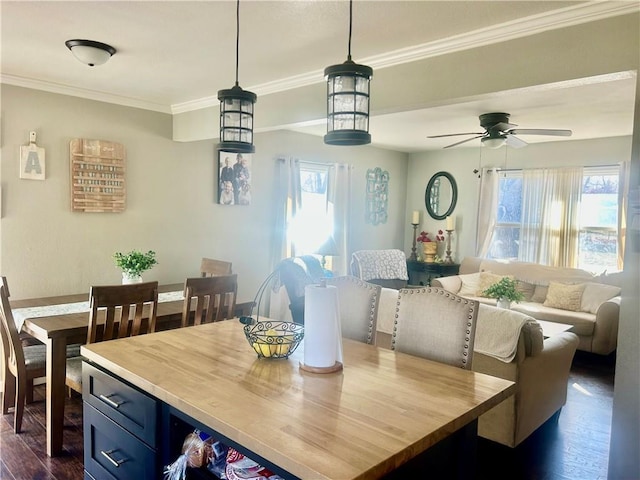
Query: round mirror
pixel 441 195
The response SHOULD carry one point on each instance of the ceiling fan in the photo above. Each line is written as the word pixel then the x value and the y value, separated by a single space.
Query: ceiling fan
pixel 498 131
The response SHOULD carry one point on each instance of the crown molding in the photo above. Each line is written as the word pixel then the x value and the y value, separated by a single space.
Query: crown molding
pixel 553 20
pixel 83 93
pixel 556 19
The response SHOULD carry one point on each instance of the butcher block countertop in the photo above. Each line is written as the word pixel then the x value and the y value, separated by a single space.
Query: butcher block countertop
pixel 382 409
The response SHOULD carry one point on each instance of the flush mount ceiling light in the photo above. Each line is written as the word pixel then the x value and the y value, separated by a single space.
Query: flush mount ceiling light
pixel 348 100
pixel 90 52
pixel 236 110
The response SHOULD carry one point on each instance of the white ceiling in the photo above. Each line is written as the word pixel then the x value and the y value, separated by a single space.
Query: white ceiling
pixel 175 56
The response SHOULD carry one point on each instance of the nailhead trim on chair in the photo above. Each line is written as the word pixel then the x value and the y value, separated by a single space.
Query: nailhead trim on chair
pixel 449 295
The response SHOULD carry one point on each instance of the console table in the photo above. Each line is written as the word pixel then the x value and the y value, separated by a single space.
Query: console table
pixel 421 273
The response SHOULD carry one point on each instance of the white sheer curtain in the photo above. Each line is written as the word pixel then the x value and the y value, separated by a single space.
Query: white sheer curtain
pixel 623 194
pixel 549 232
pixel 287 203
pixel 487 209
pixel 340 198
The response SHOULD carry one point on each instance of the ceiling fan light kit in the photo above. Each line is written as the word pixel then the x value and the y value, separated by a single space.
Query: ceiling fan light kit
pixel 348 89
pixel 236 110
pixel 90 52
pixel 499 131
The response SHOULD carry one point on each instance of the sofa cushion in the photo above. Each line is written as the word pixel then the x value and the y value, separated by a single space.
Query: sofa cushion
pixel 486 280
pixel 582 322
pixel 527 289
pixel 565 296
pixel 540 294
pixel 470 284
pixel 535 273
pixel 595 294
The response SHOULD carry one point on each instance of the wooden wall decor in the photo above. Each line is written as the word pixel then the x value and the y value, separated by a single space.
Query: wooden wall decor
pixel 97 176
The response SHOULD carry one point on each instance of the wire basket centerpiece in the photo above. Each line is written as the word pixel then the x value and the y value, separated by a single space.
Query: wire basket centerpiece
pixel 274 338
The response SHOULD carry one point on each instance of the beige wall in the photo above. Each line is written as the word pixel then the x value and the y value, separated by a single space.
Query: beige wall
pixel 45 249
pixel 462 162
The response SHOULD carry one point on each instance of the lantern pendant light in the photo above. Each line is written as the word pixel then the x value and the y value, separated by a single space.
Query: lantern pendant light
pixel 236 110
pixel 348 100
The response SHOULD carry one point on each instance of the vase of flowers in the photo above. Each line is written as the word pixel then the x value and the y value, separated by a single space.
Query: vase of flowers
pixel 133 264
pixel 504 291
pixel 429 246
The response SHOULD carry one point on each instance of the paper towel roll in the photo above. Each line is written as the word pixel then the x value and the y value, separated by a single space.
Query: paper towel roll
pixel 322 336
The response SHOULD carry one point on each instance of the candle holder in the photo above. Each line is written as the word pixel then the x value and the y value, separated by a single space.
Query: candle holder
pixel 413 255
pixel 448 258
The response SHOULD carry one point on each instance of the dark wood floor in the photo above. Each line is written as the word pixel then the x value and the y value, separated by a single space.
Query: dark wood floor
pixel 576 447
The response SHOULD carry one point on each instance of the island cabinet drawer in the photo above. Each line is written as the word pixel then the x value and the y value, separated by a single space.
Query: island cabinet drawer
pixel 128 407
pixel 110 452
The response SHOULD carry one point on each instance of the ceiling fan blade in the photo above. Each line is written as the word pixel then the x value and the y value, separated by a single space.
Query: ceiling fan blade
pixel 456 134
pixel 464 141
pixel 515 142
pixel 540 131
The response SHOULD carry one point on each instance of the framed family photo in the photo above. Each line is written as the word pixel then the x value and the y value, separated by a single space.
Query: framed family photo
pixel 234 178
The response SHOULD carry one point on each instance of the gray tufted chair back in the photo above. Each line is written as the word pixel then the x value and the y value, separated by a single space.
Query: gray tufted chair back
pixel 435 324
pixel 358 302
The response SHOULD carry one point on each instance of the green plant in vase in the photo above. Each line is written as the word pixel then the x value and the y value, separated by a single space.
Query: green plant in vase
pixel 504 291
pixel 134 263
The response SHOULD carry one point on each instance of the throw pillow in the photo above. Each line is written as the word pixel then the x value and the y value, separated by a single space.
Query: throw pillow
pixel 469 284
pixel 486 280
pixel 595 294
pixel 564 296
pixel 527 289
pixel 540 293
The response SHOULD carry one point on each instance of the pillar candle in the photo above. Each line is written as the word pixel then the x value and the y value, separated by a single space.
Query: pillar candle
pixel 415 218
pixel 451 221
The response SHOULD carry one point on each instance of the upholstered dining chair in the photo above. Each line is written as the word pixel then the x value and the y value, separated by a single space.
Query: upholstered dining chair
pixel 435 324
pixel 387 268
pixel 214 299
pixel 358 303
pixel 116 311
pixel 21 365
pixel 211 267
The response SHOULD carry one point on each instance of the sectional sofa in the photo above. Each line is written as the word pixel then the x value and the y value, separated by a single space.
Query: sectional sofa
pixel 591 304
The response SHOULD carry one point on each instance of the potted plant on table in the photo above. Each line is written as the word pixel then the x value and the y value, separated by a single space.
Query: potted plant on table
pixel 429 247
pixel 134 263
pixel 505 291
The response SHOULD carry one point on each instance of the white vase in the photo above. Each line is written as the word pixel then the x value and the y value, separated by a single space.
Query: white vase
pixel 504 303
pixel 128 279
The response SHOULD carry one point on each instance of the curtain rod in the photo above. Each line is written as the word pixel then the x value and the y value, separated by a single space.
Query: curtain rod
pixel 491 169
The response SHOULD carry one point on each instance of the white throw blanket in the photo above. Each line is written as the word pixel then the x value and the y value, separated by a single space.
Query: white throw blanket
pixel 498 331
pixel 21 314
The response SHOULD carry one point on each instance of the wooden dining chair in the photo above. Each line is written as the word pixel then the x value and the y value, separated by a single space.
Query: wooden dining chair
pixel 22 365
pixel 214 299
pixel 116 311
pixel 358 303
pixel 210 267
pixel 435 324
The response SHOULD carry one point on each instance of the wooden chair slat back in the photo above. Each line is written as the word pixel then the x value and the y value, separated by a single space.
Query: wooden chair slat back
pixel 210 267
pixel 214 299
pixel 11 344
pixel 119 311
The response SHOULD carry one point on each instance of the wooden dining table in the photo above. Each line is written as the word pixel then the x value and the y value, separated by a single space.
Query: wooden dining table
pixel 58 331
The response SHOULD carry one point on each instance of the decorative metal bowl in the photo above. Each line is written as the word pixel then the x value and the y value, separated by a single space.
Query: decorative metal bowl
pixel 274 339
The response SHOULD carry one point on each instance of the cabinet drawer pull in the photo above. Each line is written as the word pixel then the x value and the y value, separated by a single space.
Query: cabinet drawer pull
pixel 107 455
pixel 106 399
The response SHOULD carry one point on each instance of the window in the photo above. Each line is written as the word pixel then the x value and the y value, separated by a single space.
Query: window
pixel 597 219
pixel 313 221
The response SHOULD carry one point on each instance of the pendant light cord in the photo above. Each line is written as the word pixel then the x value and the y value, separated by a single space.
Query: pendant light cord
pixel 237 37
pixel 350 25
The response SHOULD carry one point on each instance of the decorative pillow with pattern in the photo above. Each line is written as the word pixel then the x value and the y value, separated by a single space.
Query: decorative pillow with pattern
pixel 565 296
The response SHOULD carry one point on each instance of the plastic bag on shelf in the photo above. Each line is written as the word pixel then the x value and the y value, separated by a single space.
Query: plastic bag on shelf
pixel 196 451
pixel 241 467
